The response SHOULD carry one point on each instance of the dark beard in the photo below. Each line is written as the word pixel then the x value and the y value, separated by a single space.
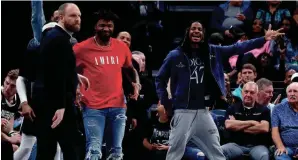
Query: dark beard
pixel 104 38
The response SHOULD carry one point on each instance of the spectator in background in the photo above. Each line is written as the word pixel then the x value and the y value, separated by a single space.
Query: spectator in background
pixel 129 85
pixel 230 99
pixel 265 93
pixel 10 103
pixel 216 39
pixel 232 13
pixel 257 29
pixel 55 16
pixel 125 37
pixel 273 14
pixel 295 16
pixel 294 78
pixel 248 123
pixel 286 47
pixel 248 73
pixel 284 125
pixel 147 97
pixel 287 81
pixel 267 70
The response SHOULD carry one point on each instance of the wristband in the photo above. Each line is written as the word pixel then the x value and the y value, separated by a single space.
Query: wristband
pixel 11 133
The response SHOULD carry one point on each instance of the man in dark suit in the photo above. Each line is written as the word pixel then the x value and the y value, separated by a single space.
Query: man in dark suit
pixel 54 91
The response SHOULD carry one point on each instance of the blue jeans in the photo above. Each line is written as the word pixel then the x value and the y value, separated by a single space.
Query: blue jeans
pixel 33 152
pixel 234 151
pixel 97 122
pixel 193 153
pixel 291 153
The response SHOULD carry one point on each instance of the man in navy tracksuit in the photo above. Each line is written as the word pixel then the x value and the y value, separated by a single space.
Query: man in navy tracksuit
pixel 196 74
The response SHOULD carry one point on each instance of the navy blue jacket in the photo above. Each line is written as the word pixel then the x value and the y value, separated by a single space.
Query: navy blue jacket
pixel 176 67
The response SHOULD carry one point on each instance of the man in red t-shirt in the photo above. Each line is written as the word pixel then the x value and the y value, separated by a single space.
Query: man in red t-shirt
pixel 101 59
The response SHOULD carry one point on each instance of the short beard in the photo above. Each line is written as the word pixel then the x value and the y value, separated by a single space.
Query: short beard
pixel 103 38
pixel 70 27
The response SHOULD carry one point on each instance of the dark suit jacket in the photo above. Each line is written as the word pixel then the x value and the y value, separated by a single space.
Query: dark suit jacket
pixel 56 77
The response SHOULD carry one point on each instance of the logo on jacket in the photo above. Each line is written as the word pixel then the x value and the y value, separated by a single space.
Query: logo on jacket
pixel 180 65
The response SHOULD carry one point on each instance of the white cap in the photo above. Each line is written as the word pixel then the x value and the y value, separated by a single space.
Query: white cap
pixel 295 75
pixel 49 25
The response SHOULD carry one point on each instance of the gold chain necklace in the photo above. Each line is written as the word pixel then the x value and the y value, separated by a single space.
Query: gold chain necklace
pixel 99 44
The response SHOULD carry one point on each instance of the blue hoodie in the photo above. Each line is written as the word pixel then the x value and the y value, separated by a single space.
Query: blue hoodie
pixel 176 67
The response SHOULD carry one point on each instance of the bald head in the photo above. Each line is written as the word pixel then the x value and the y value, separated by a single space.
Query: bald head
pixel 292 93
pixel 249 94
pixel 125 37
pixel 70 17
pixel 140 58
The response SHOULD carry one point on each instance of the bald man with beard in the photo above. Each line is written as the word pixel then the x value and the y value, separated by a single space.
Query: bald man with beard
pixel 54 90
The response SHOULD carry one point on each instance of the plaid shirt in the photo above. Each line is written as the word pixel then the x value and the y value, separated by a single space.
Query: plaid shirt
pixel 273 19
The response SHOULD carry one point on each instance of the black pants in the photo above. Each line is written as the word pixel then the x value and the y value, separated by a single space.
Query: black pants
pixel 6 150
pixel 66 134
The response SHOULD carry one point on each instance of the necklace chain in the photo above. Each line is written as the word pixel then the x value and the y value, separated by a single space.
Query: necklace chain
pixel 99 44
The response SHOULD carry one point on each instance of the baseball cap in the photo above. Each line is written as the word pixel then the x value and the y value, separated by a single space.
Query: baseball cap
pixel 294 77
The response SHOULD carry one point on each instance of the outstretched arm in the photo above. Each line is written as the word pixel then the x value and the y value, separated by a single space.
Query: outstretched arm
pixel 37 19
pixel 246 46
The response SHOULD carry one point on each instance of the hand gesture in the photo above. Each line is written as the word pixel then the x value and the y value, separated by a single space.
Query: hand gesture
pixel 277 99
pixel 162 147
pixel 4 122
pixel 240 17
pixel 15 139
pixel 280 151
pixel 58 117
pixel 271 34
pixel 84 81
pixel 27 111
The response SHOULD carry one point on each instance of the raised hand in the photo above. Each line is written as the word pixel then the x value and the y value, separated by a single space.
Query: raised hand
pixel 272 34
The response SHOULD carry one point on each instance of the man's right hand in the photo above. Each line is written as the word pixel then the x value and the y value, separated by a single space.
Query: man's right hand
pixel 16 139
pixel 27 111
pixel 281 150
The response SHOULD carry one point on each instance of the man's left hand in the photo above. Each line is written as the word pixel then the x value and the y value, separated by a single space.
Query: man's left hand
pixel 272 34
pixel 58 117
pixel 137 88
